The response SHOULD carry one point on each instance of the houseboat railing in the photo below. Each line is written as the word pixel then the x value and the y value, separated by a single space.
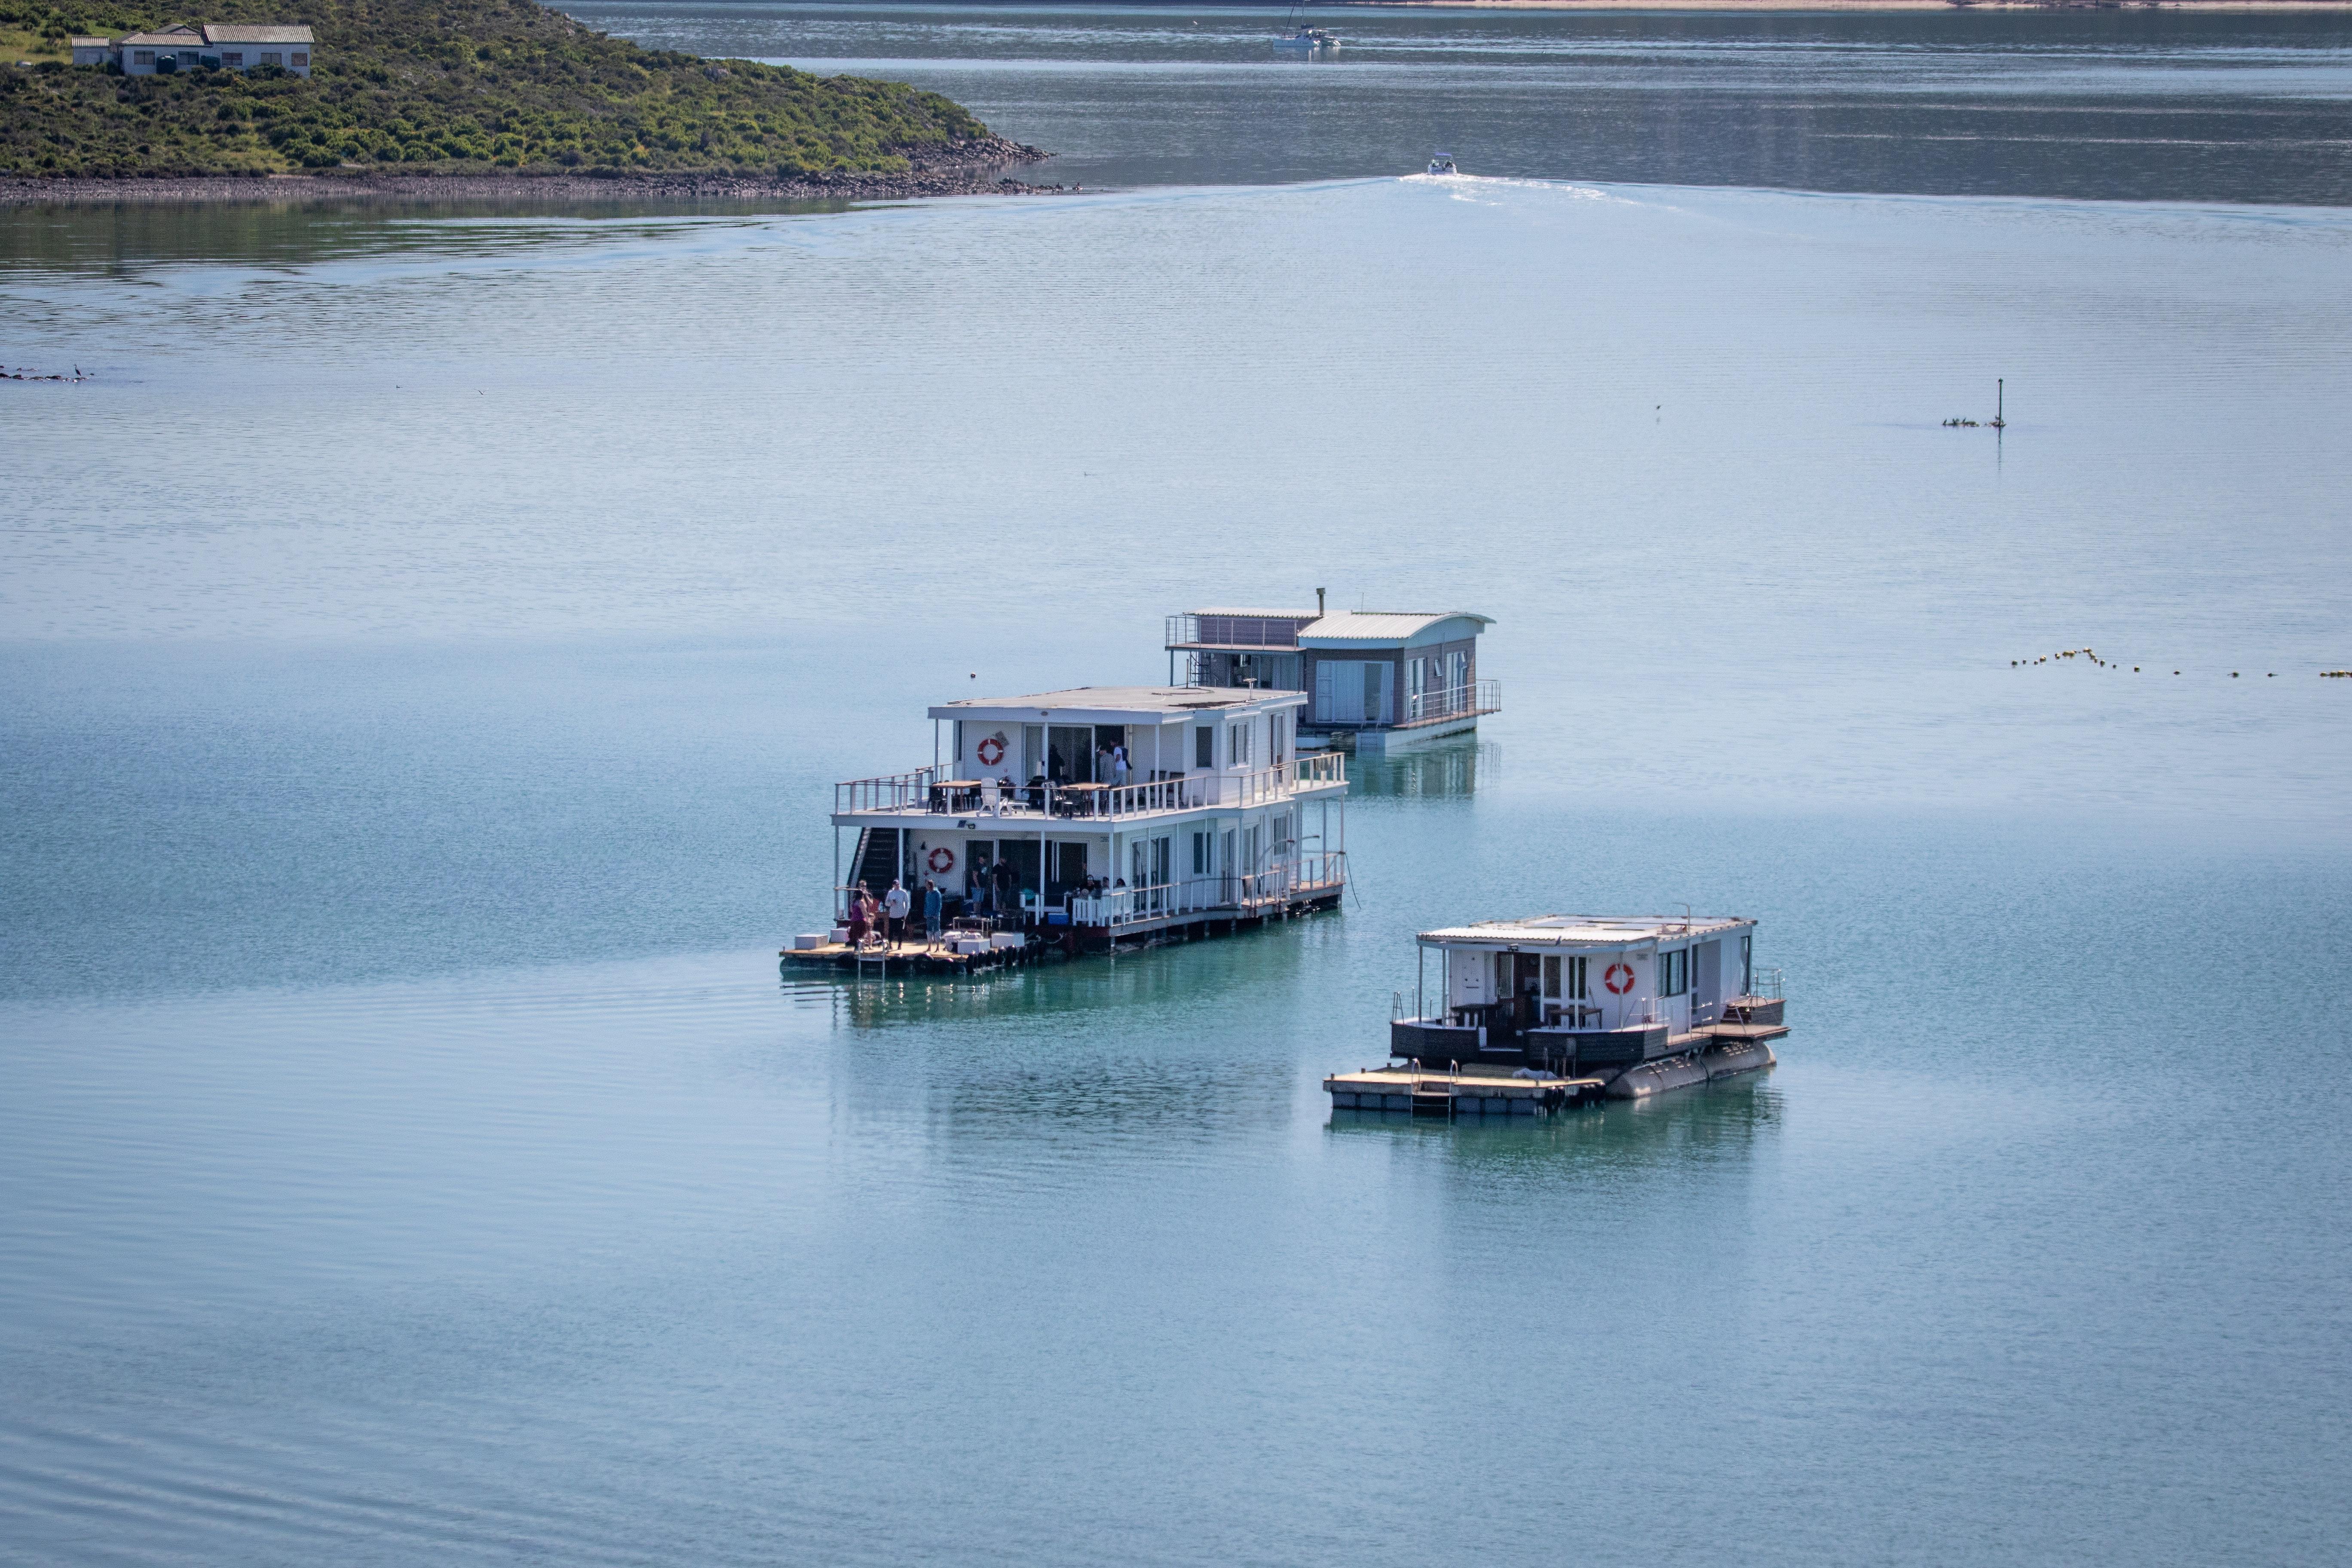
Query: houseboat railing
pixel 1453 701
pixel 1233 631
pixel 1764 984
pixel 937 791
pixel 892 792
pixel 1308 875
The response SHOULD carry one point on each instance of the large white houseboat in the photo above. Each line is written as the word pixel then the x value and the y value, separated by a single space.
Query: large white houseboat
pixel 1086 820
pixel 1538 1012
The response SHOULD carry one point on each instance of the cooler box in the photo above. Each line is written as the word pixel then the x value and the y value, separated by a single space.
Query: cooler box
pixel 841 933
pixel 1006 938
pixel 813 939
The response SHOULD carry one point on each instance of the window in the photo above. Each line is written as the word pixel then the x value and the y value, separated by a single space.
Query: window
pixel 1204 740
pixel 1575 979
pixel 1674 973
pixel 1200 854
pixel 1551 960
pixel 142 57
pixel 270 58
pixel 233 60
pixel 1746 965
pixel 1373 691
pixel 1237 745
pixel 301 62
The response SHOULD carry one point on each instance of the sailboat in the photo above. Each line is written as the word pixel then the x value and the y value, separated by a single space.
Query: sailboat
pixel 1296 34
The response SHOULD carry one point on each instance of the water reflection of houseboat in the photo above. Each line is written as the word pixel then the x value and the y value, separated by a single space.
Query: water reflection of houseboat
pixel 1091 819
pixel 1524 1015
pixel 1377 681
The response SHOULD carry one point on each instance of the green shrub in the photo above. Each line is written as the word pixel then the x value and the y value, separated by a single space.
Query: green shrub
pixel 491 82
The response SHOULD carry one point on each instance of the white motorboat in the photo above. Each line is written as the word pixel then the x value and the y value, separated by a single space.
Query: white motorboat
pixel 1442 164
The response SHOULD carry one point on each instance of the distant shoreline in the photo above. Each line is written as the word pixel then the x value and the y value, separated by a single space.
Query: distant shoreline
pixel 968 170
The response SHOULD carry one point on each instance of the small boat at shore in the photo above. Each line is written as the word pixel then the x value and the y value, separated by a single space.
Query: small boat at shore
pixel 1308 40
pixel 1539 1014
pixel 1297 36
pixel 1442 164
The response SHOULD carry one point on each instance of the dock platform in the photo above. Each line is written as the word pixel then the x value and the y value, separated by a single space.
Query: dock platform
pixel 910 957
pixel 1469 1092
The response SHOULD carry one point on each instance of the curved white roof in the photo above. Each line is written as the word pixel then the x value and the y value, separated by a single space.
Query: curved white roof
pixel 1380 629
pixel 1584 931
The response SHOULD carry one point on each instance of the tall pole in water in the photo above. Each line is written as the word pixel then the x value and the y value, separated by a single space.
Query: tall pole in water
pixel 2000 401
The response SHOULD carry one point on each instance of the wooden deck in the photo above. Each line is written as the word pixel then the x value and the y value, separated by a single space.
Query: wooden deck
pixel 1475 1091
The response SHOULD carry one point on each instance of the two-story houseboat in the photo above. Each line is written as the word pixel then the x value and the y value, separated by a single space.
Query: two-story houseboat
pixel 1090 819
pixel 1376 681
pixel 1575 1006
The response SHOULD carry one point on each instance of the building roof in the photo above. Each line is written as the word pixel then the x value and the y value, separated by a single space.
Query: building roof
pixel 175 38
pixel 1161 702
pixel 266 33
pixel 1362 628
pixel 1585 930
pixel 1259 614
pixel 90 43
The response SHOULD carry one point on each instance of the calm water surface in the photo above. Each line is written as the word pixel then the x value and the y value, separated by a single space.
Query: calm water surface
pixel 2129 105
pixel 417 710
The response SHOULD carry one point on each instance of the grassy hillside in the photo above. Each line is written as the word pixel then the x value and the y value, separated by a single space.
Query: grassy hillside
pixel 441 84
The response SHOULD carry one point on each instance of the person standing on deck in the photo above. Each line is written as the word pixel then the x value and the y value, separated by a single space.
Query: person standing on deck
pixel 894 904
pixel 975 898
pixel 857 922
pixel 932 906
pixel 1119 765
pixel 1008 884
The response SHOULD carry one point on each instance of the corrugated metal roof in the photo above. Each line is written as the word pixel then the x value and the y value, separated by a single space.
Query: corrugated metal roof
pixel 1170 701
pixel 170 38
pixel 90 43
pixel 1586 930
pixel 265 33
pixel 1378 625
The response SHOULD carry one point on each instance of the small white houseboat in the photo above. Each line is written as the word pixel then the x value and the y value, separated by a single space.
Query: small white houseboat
pixel 1087 820
pixel 1549 1010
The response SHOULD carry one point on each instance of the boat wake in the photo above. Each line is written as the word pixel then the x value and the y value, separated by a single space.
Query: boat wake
pixel 1468 188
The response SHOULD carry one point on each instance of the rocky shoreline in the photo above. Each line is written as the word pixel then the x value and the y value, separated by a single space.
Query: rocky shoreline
pixel 954 168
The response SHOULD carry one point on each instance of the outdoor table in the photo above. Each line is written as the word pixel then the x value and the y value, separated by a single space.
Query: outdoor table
pixel 1084 799
pixel 956 794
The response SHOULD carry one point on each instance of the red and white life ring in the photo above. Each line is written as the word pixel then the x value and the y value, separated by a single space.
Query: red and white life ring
pixel 991 751
pixel 942 860
pixel 1618 978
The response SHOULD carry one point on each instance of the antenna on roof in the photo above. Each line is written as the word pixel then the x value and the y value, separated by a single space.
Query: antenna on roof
pixel 1319 604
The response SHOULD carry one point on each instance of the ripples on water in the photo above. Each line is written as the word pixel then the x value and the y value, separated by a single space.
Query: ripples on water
pixel 413 733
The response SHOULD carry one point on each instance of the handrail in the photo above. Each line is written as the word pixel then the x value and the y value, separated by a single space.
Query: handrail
pixel 914 792
pixel 890 792
pixel 1453 701
pixel 1187 895
pixel 1186 630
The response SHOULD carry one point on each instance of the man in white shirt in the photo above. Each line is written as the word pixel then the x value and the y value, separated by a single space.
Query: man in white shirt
pixel 894 904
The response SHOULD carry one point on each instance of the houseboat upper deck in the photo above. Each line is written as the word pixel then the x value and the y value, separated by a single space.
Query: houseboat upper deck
pixel 1102 815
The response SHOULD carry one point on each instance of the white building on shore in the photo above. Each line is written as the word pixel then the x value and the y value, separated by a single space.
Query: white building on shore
pixel 231 47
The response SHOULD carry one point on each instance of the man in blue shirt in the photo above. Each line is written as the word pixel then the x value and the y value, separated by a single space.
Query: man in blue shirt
pixel 932 903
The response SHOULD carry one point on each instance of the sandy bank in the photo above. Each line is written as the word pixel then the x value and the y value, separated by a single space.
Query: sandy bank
pixel 967 168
